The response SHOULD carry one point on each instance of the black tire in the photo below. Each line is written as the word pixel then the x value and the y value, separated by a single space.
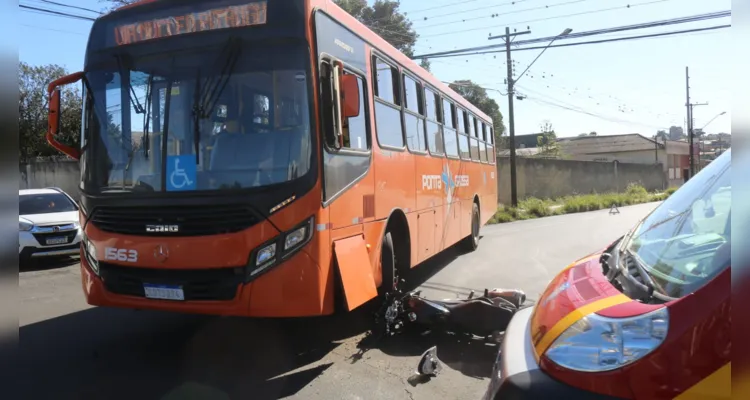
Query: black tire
pixel 471 242
pixel 388 266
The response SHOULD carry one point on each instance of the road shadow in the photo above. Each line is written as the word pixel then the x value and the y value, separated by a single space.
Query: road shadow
pixel 47 263
pixel 107 353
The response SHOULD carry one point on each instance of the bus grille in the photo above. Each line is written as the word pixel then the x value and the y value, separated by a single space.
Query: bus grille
pixel 190 221
pixel 201 284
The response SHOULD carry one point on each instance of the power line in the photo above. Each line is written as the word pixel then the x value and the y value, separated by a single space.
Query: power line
pixel 69 6
pixel 58 13
pixel 459 3
pixel 643 25
pixel 553 17
pixel 54 30
pixel 492 15
pixel 590 41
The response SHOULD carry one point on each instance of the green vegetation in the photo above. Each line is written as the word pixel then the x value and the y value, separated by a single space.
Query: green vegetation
pixel 536 208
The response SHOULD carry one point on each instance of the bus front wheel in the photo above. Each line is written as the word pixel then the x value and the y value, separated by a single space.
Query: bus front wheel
pixel 388 266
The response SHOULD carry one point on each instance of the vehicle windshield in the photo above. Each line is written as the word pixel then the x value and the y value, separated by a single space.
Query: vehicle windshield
pixel 224 117
pixel 44 203
pixel 685 242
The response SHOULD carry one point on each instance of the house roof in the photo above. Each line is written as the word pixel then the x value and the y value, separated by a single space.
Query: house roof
pixel 606 144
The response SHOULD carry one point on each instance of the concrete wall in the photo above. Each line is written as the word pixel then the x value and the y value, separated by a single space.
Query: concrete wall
pixel 536 177
pixel 64 174
pixel 547 178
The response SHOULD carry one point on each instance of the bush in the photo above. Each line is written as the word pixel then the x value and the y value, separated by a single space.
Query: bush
pixel 536 207
pixel 636 190
pixel 671 190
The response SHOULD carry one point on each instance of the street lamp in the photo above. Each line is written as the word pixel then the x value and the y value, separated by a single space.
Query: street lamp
pixel 511 93
pixel 712 119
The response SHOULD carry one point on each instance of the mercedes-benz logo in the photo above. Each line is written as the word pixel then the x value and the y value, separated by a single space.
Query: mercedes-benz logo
pixel 56 229
pixel 161 253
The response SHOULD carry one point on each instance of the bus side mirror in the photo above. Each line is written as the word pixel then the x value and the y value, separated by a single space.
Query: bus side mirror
pixel 350 96
pixel 53 118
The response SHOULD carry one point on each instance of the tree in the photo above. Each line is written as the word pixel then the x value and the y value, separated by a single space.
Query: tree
pixel 425 63
pixel 547 141
pixel 592 133
pixel 32 111
pixel 118 3
pixel 384 19
pixel 662 135
pixel 477 96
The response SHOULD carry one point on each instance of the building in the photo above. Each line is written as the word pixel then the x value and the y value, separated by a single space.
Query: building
pixel 631 148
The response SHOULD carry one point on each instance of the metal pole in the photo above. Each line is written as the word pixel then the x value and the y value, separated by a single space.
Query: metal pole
pixel 689 120
pixel 511 122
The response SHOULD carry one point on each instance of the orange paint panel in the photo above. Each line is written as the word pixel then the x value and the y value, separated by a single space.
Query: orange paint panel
pixel 425 235
pixel 354 269
pixel 374 232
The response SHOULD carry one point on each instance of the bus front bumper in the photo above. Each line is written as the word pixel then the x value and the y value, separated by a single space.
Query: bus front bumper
pixel 294 288
pixel 516 374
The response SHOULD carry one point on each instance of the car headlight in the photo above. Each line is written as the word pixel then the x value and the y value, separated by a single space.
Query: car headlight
pixel 25 226
pixel 595 343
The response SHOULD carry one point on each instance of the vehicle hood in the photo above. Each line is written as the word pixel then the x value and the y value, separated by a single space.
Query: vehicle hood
pixel 60 218
pixel 577 291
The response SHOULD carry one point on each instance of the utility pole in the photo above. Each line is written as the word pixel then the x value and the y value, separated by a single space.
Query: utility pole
pixel 511 120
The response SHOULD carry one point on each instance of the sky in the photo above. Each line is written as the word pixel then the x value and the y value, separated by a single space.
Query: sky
pixel 635 86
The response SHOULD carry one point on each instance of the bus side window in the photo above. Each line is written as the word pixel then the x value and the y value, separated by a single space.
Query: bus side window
pixel 387 105
pixel 355 128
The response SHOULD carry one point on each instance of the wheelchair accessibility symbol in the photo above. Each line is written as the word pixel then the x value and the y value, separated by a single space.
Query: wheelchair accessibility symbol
pixel 181 171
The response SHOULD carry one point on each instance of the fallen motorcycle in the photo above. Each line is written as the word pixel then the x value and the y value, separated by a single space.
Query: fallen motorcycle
pixel 485 316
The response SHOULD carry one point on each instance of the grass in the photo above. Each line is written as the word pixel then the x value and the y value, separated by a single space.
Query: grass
pixel 537 208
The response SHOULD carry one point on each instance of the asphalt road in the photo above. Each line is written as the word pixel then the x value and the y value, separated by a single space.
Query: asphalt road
pixel 72 351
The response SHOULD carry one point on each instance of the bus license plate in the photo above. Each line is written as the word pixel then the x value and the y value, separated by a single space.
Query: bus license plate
pixel 57 240
pixel 164 292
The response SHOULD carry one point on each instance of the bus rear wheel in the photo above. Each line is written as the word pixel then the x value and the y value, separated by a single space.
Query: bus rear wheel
pixel 471 242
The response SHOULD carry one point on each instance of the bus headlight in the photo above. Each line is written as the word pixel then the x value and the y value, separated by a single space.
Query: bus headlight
pixel 280 248
pixel 89 251
pixel 296 237
pixel 266 254
pixel 595 343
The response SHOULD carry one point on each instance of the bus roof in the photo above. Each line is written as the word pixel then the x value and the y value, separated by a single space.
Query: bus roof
pixel 386 48
pixel 380 44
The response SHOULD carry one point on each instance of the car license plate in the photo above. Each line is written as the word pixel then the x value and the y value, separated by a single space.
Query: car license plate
pixel 165 292
pixel 57 240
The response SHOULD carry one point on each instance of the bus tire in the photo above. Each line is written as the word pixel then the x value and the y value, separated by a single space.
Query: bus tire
pixel 471 242
pixel 388 269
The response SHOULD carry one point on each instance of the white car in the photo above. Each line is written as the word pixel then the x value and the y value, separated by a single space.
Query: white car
pixel 47 224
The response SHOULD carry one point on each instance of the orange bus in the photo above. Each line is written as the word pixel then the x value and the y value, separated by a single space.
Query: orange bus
pixel 265 158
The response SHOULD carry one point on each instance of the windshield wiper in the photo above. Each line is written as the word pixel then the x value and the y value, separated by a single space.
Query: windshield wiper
pixel 205 101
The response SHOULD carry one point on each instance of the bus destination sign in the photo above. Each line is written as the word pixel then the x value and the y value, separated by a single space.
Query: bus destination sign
pixel 219 18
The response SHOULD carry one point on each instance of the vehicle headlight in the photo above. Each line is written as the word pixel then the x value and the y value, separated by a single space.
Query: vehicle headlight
pixel 89 251
pixel 280 248
pixel 25 226
pixel 295 237
pixel 596 343
pixel 266 254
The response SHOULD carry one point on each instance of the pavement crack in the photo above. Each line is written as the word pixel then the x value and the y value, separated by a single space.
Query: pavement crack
pixel 411 395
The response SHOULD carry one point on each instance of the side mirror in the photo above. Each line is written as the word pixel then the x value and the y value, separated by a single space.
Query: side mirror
pixel 53 118
pixel 350 96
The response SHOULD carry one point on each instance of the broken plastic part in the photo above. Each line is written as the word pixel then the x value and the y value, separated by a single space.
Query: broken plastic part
pixel 429 364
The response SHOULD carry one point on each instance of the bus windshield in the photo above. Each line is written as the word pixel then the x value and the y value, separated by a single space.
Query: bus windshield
pixel 231 116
